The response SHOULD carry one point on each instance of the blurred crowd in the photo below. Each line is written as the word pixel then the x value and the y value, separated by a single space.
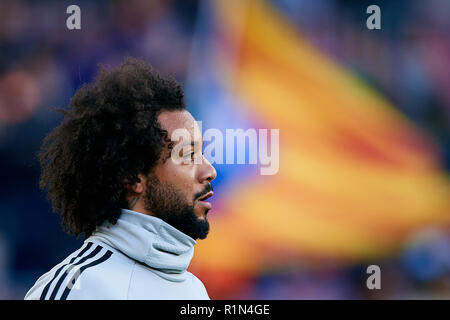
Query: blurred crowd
pixel 407 60
pixel 42 63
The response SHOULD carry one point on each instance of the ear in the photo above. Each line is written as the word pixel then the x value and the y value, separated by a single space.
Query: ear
pixel 135 188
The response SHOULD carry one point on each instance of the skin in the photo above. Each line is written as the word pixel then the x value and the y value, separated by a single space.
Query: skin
pixel 190 178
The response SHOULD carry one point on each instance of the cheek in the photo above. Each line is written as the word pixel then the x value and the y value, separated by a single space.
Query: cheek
pixel 180 176
pixel 179 172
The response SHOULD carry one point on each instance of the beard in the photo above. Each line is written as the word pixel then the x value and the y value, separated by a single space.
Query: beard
pixel 170 205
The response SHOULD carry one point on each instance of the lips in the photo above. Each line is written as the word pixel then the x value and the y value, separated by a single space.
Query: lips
pixel 201 200
pixel 206 196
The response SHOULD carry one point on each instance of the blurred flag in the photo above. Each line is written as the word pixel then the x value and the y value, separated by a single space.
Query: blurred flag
pixel 355 179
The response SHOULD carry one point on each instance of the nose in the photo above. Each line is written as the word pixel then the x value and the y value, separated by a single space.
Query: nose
pixel 208 172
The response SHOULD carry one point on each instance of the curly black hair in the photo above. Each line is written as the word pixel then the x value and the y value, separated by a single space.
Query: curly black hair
pixel 108 136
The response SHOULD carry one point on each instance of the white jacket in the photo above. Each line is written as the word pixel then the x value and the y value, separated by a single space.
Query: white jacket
pixel 139 257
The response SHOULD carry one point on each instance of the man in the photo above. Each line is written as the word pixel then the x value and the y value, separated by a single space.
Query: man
pixel 111 172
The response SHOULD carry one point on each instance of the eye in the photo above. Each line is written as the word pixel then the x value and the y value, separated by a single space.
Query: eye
pixel 192 155
pixel 189 155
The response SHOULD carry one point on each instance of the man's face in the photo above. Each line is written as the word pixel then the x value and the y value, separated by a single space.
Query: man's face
pixel 174 190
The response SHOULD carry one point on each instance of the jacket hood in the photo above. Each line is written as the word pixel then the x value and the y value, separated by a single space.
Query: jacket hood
pixel 151 241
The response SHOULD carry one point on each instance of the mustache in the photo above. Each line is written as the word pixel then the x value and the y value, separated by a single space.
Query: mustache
pixel 207 189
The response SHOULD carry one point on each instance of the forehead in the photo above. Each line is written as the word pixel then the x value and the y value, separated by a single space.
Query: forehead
pixel 172 120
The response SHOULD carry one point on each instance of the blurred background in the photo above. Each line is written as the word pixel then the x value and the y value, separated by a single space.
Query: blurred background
pixel 364 119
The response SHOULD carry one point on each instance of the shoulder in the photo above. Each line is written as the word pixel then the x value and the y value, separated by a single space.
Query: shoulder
pixel 198 284
pixel 107 279
pixel 92 272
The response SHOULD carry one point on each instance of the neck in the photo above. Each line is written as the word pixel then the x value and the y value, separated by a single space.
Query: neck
pixel 136 204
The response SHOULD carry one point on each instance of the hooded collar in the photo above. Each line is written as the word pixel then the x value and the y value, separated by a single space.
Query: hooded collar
pixel 151 241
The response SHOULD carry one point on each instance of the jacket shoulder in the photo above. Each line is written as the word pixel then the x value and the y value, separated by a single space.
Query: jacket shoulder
pixel 200 286
pixel 95 271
